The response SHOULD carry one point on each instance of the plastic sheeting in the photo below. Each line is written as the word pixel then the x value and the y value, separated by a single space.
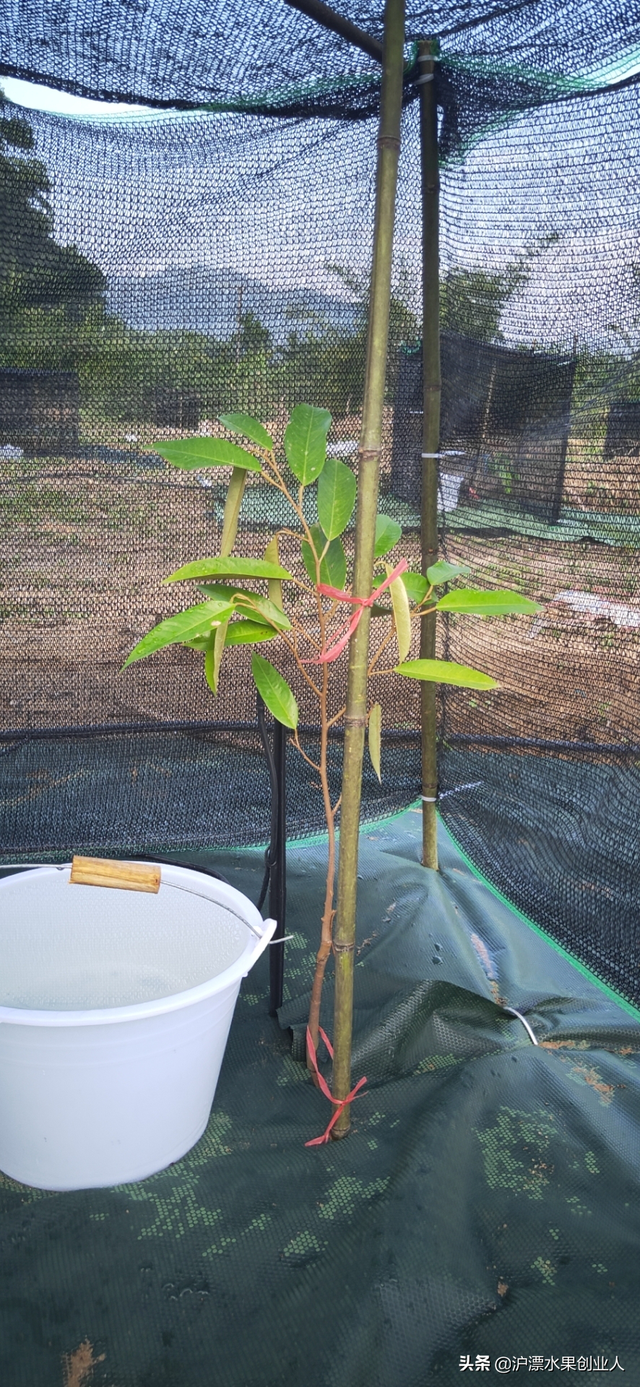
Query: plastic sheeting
pixel 483 1210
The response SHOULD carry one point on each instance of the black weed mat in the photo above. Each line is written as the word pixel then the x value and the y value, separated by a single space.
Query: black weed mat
pixel 483 1211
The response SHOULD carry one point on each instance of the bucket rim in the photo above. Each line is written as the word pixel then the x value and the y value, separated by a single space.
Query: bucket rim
pixel 259 935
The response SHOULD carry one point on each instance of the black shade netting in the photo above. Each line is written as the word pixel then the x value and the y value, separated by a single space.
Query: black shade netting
pixel 158 268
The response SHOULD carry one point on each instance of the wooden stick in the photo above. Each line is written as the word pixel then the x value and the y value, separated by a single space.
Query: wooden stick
pixel 126 876
pixel 431 391
pixel 368 477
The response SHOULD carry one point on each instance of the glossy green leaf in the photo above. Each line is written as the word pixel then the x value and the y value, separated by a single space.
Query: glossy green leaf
pixel 305 442
pixel 388 532
pixel 374 729
pixel 212 660
pixel 191 453
pixel 336 497
pixel 251 603
pixel 474 603
pixel 401 615
pixel 219 643
pixel 446 672
pixel 176 630
pixel 442 572
pixel 333 569
pixel 228 568
pixel 250 428
pixel 248 633
pixel 416 586
pixel 275 691
pixel 232 507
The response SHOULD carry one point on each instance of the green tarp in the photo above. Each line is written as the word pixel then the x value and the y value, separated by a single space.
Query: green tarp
pixel 483 1210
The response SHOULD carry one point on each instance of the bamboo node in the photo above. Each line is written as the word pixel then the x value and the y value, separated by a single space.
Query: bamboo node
pixel 352 721
pixel 388 142
pixel 369 454
pixel 339 948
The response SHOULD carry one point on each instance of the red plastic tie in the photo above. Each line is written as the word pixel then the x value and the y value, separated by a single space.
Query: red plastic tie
pixel 340 1103
pixel 359 603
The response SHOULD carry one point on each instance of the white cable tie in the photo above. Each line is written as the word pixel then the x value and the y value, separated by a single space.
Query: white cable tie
pixel 280 941
pixel 426 77
pixel 512 1012
pixel 429 799
pixel 433 455
pixel 471 785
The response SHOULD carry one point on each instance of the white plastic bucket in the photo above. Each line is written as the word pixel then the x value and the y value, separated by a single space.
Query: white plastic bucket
pixel 115 1008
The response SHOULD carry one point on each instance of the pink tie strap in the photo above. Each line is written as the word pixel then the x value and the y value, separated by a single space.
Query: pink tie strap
pixel 359 603
pixel 340 1103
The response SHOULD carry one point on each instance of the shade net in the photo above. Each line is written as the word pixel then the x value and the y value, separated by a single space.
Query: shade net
pixel 161 266
pixel 484 1208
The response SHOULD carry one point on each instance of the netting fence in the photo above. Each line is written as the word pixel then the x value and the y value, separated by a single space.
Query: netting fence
pixel 161 266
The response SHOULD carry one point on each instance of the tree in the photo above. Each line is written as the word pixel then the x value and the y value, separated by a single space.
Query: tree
pixel 34 270
pixel 472 301
pixel 322 613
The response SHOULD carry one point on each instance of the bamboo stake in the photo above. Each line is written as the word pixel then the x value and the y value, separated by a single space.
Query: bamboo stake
pixel 330 19
pixel 368 476
pixel 427 51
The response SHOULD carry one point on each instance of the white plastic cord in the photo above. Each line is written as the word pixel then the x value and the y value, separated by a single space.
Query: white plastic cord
pixel 512 1012
pixel 426 77
pixel 24 866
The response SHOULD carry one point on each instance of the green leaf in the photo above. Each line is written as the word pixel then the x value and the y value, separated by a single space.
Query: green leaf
pixel 475 603
pixel 375 737
pixel 336 497
pixel 388 532
pixel 190 453
pixel 446 672
pixel 244 424
pixel 248 633
pixel 333 569
pixel 442 572
pixel 275 691
pixel 219 643
pixel 271 555
pixel 416 587
pixel 401 615
pixel 249 603
pixel 212 658
pixel 196 621
pixel 232 506
pixel 228 568
pixel 305 442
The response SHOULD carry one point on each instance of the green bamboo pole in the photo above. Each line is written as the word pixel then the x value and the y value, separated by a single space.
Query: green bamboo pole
pixel 368 476
pixel 427 51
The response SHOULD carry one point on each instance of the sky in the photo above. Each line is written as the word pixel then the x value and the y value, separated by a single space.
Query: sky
pixel 39 98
